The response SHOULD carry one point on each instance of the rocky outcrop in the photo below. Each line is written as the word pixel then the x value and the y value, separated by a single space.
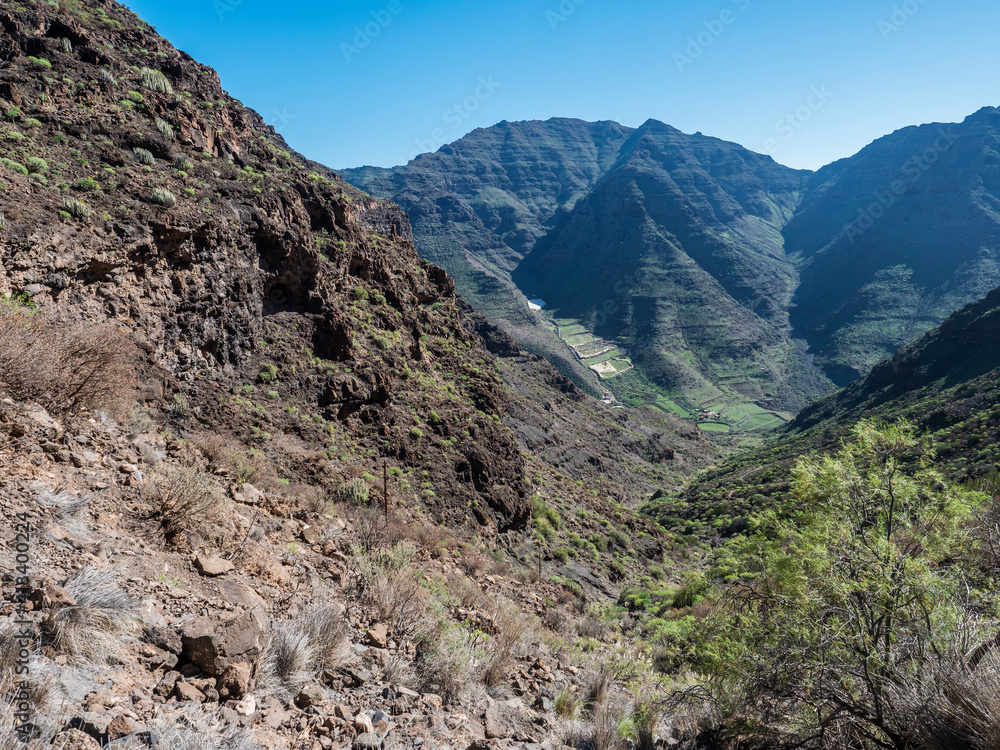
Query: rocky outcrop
pixel 182 218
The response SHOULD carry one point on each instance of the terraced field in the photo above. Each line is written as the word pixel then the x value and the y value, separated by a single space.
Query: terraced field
pixel 600 356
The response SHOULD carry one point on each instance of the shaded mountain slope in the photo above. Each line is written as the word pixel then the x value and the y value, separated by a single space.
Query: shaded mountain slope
pixel 685 232
pixel 893 240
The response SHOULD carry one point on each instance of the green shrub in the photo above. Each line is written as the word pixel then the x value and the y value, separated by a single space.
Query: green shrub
pixel 40 62
pixel 544 529
pixel 692 592
pixel 13 165
pixel 77 208
pixel 355 491
pixel 31 122
pixel 154 80
pixel 165 127
pixel 108 77
pixel 360 294
pixel 562 554
pixel 541 510
pixel 37 165
pixel 88 184
pixel 619 537
pixel 599 541
pixel 164 197
pixel 144 156
pixel 3 222
pixel 268 373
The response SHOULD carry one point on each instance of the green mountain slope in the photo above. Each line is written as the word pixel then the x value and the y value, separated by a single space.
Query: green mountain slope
pixel 947 383
pixel 894 239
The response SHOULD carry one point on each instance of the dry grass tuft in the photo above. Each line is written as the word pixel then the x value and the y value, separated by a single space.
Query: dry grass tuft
pixel 190 731
pixel 65 509
pixel 444 663
pixel 295 655
pixel 390 588
pixel 99 625
pixel 327 629
pixel 955 707
pixel 287 663
pixel 37 697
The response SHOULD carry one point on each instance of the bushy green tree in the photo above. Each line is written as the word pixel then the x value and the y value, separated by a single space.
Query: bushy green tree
pixel 855 602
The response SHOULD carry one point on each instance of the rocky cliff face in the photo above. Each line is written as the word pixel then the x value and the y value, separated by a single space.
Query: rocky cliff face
pixel 136 191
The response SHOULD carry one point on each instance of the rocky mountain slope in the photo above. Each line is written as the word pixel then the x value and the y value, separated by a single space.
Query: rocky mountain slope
pixel 685 232
pixel 946 383
pixel 282 487
pixel 479 206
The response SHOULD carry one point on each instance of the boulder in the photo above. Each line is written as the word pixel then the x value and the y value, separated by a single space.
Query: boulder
pixel 248 494
pixel 213 566
pixel 505 721
pixel 378 636
pixel 234 682
pixel 311 695
pixel 187 692
pixel 215 644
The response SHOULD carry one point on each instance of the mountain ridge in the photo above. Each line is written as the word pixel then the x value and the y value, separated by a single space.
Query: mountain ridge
pixel 841 286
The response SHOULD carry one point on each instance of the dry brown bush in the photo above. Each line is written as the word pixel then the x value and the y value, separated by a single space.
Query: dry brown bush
pixel 391 589
pixel 183 498
pixel 472 561
pixel 468 592
pixel 66 367
pixel 507 630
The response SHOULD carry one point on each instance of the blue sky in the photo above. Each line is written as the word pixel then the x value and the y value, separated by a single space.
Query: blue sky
pixel 353 83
